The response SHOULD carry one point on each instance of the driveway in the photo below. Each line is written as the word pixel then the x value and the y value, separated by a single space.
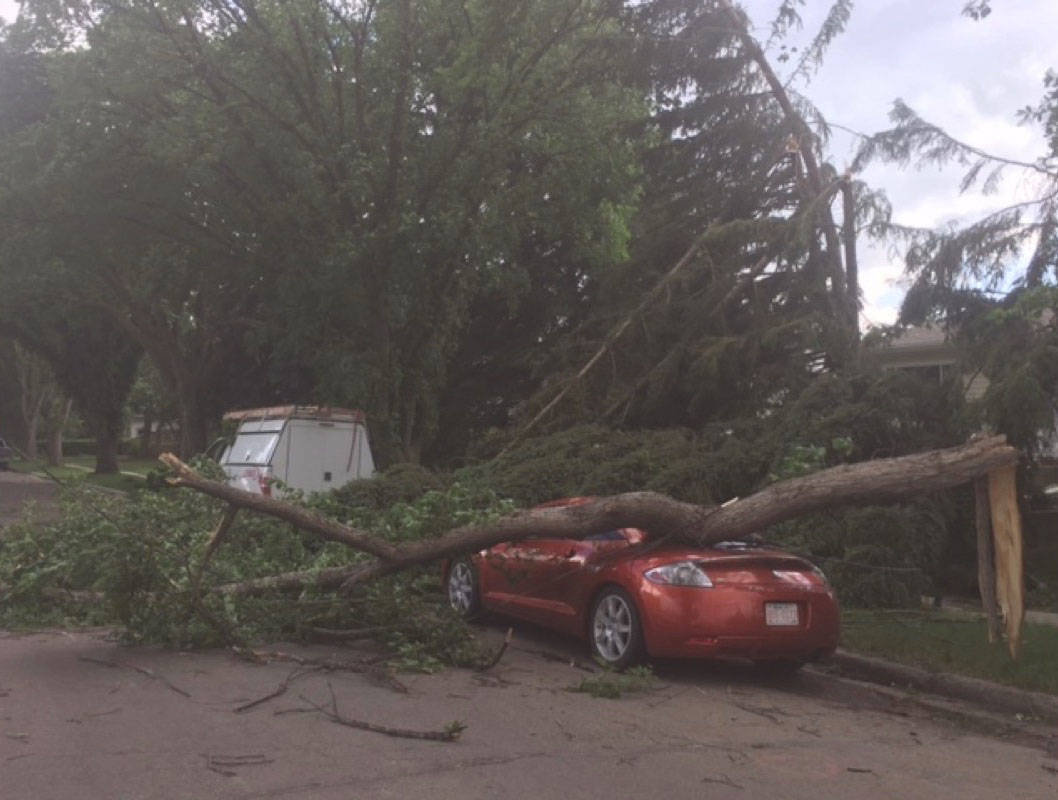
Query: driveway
pixel 82 716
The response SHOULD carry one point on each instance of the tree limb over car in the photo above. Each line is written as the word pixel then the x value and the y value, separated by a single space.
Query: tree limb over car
pixel 875 482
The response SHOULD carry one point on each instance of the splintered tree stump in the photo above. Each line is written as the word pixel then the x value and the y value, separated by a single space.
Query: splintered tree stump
pixel 1010 569
pixel 986 565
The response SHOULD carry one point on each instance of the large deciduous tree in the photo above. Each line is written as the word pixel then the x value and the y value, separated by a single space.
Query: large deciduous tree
pixel 91 359
pixel 332 184
pixel 426 207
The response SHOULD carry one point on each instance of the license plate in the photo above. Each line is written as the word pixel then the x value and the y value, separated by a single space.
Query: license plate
pixel 781 614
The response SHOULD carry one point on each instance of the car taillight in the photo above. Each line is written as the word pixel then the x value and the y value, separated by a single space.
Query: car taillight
pixel 264 484
pixel 800 577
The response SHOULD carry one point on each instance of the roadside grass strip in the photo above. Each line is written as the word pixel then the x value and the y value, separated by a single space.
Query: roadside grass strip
pixel 956 643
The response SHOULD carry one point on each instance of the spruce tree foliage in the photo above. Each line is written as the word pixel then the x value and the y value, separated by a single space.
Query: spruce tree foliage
pixel 762 306
pixel 991 283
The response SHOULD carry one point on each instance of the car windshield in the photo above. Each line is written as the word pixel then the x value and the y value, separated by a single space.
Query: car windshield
pixel 252 448
pixel 733 545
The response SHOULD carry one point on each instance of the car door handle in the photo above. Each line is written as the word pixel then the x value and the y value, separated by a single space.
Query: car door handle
pixel 572 553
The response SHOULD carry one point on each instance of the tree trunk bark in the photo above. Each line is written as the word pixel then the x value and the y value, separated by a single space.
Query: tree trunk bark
pixel 852 263
pixel 986 565
pixel 108 440
pixel 146 435
pixel 881 481
pixel 55 435
pixel 1010 569
pixel 106 453
pixel 32 427
pixel 194 426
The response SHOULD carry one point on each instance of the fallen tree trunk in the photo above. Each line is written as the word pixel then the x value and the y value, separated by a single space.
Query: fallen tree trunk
pixel 870 482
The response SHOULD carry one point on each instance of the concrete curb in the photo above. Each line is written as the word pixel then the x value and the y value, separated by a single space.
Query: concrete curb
pixel 993 696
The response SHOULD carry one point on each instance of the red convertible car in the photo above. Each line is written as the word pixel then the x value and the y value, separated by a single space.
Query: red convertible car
pixel 633 598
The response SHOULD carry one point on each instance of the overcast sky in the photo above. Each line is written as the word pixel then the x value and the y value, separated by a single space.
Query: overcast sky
pixel 968 77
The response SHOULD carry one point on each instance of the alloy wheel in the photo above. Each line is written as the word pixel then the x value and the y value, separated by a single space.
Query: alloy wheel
pixel 461 587
pixel 612 627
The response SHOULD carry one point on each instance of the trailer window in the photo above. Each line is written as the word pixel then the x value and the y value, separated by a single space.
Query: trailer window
pixel 253 448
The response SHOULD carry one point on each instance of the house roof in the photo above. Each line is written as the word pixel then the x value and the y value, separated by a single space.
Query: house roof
pixel 921 345
pixel 919 337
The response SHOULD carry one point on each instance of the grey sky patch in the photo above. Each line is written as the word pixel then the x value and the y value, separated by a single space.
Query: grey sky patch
pixel 968 77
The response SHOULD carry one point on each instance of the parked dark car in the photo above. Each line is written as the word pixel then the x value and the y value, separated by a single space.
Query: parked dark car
pixel 6 454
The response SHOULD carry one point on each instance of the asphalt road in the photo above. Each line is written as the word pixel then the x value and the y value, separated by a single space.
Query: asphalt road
pixel 83 717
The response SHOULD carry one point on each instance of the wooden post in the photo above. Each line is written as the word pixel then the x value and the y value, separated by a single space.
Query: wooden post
pixel 986 565
pixel 1010 568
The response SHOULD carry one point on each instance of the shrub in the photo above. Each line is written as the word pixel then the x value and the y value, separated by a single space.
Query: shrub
pixel 142 553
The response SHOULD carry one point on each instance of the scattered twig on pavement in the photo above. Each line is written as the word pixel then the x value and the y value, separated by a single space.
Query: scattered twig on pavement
pixel 347 634
pixel 449 733
pixel 106 713
pixel 547 655
pixel 142 670
pixel 768 713
pixel 723 780
pixel 222 764
pixel 369 667
pixel 279 691
pixel 298 710
pixel 499 653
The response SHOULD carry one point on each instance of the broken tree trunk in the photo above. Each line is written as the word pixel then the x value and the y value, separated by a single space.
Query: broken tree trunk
pixel 880 481
pixel 986 565
pixel 1006 531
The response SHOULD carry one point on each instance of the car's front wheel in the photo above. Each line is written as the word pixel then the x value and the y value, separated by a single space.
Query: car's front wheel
pixel 616 635
pixel 463 594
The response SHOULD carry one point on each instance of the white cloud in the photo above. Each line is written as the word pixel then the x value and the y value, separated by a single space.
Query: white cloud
pixel 8 10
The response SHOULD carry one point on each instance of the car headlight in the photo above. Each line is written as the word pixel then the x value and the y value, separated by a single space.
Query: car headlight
pixel 682 573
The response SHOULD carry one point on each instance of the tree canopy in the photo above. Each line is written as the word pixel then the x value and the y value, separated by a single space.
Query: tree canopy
pixel 431 209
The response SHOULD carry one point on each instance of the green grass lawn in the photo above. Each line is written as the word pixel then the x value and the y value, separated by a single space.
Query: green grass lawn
pixel 80 467
pixel 947 642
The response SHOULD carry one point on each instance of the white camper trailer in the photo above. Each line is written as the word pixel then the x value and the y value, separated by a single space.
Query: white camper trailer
pixel 312 448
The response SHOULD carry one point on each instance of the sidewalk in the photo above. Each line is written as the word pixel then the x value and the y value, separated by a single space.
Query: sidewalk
pixel 967 607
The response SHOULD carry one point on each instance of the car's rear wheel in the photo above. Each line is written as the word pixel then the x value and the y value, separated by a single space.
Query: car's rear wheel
pixel 615 632
pixel 463 594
